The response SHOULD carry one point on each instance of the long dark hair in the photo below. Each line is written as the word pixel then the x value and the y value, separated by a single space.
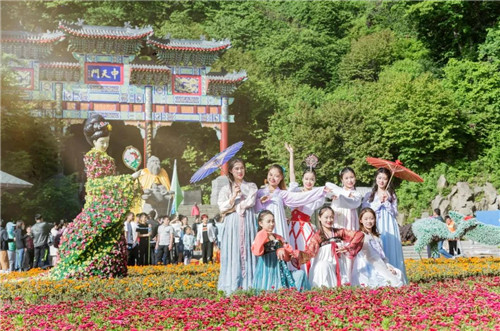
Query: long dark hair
pixel 281 184
pixel 322 232
pixel 389 188
pixel 95 127
pixel 374 230
pixel 230 167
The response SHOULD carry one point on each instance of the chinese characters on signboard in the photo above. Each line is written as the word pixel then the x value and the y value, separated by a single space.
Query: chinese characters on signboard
pixel 103 73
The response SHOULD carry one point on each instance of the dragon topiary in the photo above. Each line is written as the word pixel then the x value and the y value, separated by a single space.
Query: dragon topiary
pixel 429 231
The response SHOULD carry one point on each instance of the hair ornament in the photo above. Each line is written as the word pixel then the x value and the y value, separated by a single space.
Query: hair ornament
pixel 284 170
pixel 311 162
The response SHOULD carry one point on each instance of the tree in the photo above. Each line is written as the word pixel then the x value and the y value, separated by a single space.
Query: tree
pixel 476 91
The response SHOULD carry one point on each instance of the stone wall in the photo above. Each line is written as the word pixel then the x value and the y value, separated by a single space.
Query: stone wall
pixel 465 199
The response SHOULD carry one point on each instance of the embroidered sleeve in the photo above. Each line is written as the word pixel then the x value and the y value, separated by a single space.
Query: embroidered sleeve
pixel 354 238
pixel 258 244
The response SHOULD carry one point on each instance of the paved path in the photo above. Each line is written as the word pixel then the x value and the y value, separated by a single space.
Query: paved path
pixel 468 247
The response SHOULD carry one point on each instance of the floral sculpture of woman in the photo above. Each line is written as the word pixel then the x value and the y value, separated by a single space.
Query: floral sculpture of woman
pixel 93 244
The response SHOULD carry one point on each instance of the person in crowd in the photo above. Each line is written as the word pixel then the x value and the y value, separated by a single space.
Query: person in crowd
pixel 382 199
pixel 371 268
pixel 437 215
pixel 177 252
pixel 4 247
pixel 236 201
pixel 143 233
pixel 452 244
pixel 188 241
pixel 219 224
pixel 11 252
pixel 206 237
pixel 195 211
pixel 272 272
pixel 274 197
pixel 197 222
pixel 20 235
pixel 30 250
pixel 164 241
pixel 41 233
pixel 324 250
pixel 154 224
pixel 53 247
pixel 301 228
pixel 130 228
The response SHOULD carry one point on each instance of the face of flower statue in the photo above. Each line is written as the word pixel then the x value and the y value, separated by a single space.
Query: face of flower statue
pixel 101 144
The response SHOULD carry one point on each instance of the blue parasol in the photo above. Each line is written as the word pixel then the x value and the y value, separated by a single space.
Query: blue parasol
pixel 216 162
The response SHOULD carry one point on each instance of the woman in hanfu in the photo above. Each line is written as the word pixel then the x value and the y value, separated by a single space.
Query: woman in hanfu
pixel 301 228
pixel 324 249
pixel 382 199
pixel 236 201
pixel 274 197
pixel 94 244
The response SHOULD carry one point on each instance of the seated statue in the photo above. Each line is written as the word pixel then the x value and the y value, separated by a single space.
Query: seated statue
pixel 156 187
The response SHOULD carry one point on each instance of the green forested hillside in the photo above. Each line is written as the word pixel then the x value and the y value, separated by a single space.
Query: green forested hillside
pixel 414 81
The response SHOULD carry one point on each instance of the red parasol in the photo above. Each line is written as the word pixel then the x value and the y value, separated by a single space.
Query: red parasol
pixel 396 169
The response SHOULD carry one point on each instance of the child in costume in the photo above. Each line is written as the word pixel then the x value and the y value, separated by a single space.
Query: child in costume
pixel 371 268
pixel 272 272
pixel 383 201
pixel 324 249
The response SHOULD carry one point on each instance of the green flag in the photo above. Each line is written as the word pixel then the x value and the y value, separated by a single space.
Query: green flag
pixel 179 196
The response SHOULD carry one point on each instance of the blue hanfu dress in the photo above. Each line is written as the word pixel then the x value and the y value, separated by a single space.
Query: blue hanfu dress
pixel 237 263
pixel 389 230
pixel 272 273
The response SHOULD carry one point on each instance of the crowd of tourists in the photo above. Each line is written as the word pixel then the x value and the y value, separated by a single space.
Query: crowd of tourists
pixel 166 240
pixel 150 241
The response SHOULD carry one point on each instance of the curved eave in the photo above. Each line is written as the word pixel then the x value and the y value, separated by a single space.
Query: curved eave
pixel 33 41
pixel 103 35
pixel 188 49
pixel 60 65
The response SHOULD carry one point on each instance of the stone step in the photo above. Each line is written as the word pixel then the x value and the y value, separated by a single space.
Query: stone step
pixel 210 210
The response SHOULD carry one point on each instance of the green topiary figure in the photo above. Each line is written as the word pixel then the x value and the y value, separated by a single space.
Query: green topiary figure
pixel 94 244
pixel 430 230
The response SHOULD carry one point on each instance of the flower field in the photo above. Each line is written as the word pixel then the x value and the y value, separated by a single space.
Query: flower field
pixel 444 294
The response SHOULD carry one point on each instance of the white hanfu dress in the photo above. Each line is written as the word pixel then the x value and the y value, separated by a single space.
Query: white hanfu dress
pixel 388 228
pixel 322 252
pixel 345 209
pixel 281 198
pixel 237 263
pixel 301 228
pixel 371 268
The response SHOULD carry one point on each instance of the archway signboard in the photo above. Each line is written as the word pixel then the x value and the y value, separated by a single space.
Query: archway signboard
pixel 102 74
